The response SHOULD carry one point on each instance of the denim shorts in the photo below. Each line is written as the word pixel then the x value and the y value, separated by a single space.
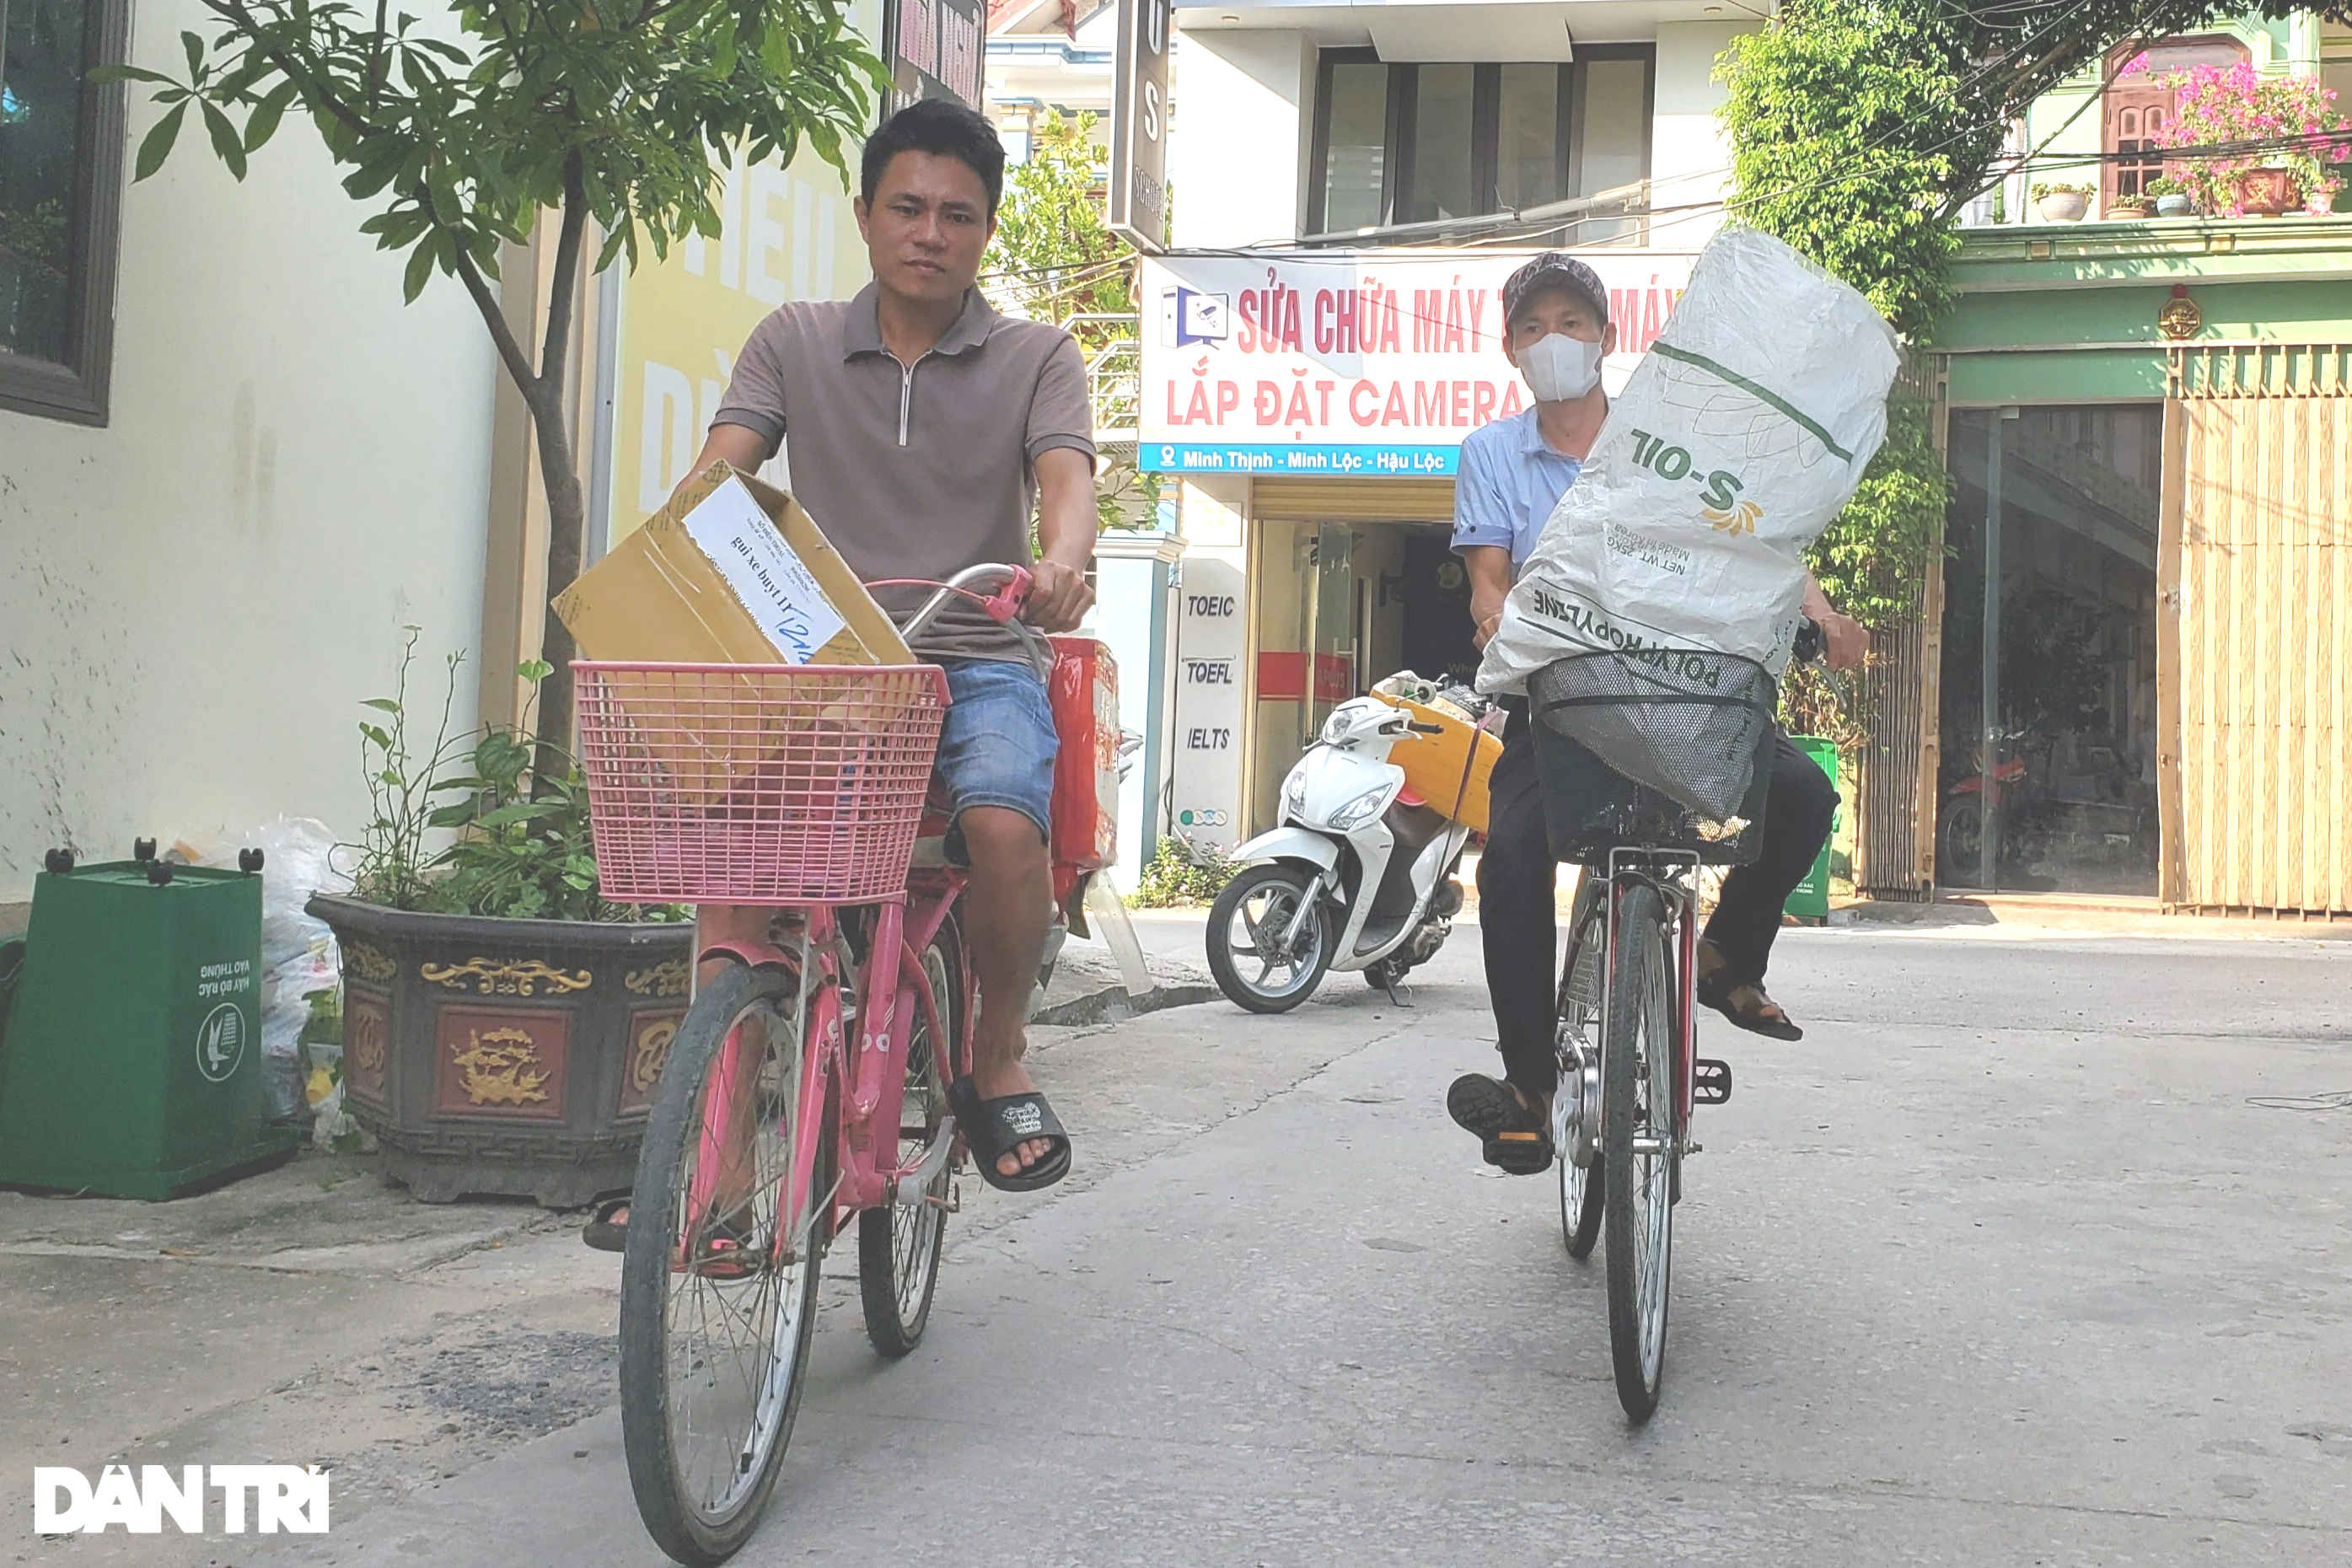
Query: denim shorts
pixel 997 743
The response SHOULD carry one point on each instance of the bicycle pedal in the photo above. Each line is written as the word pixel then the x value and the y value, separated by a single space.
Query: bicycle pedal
pixel 1710 1081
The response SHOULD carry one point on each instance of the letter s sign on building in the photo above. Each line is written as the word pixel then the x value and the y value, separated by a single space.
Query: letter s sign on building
pixel 1136 205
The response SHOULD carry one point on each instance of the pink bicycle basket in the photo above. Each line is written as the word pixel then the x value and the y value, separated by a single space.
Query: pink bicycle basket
pixel 749 784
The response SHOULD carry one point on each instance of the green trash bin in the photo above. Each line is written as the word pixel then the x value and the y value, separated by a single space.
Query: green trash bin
pixel 131 1064
pixel 1811 899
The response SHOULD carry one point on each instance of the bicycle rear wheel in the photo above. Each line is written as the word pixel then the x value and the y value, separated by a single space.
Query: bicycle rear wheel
pixel 1637 1144
pixel 899 1243
pixel 718 1285
pixel 1576 1104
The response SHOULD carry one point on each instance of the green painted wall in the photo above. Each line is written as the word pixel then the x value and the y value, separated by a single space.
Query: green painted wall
pixel 2105 286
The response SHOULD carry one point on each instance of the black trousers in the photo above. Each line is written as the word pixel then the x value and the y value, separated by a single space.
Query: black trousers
pixel 1517 875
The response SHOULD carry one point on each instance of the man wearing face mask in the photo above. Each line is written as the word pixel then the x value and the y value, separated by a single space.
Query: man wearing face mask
pixel 1513 472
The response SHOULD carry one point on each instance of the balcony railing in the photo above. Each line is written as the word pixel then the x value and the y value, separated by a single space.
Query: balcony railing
pixel 1114 372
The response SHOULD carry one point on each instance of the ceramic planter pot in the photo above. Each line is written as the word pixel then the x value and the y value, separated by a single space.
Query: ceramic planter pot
pixel 2064 206
pixel 2319 203
pixel 2267 193
pixel 2174 206
pixel 504 1057
pixel 2131 211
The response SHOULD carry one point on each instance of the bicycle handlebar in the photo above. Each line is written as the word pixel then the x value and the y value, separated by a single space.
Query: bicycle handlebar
pixel 1810 645
pixel 1003 606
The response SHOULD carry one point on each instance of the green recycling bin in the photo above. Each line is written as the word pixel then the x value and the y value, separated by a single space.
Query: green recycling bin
pixel 1811 899
pixel 131 1064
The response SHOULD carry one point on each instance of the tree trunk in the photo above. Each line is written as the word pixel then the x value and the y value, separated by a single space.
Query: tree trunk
pixel 560 472
pixel 566 532
pixel 543 394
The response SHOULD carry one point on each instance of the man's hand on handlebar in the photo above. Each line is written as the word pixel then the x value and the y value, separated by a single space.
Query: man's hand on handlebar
pixel 1844 641
pixel 1058 598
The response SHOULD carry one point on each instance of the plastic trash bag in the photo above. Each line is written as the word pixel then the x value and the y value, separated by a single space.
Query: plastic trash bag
pixel 299 960
pixel 1738 437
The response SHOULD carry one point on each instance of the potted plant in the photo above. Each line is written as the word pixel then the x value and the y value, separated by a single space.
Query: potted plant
pixel 503 1025
pixel 2172 197
pixel 2137 206
pixel 2285 122
pixel 2063 203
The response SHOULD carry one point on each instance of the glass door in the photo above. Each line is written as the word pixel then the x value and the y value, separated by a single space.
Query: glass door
pixel 2048 781
pixel 1331 647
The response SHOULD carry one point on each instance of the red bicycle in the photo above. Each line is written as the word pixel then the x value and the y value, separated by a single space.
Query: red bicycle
pixel 807 1085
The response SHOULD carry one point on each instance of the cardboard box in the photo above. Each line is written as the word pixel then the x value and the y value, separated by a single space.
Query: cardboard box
pixel 733 572
pixel 730 571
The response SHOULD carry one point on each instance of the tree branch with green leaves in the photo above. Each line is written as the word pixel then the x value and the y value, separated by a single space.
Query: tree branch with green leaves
pixel 462 137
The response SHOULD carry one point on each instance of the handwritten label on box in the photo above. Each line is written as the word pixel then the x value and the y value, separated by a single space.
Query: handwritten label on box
pixel 764 572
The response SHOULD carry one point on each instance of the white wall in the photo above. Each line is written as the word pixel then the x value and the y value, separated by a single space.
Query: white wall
pixel 1690 158
pixel 195 599
pixel 1247 118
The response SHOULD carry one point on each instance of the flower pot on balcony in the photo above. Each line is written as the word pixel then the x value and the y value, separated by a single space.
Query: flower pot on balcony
pixel 2175 207
pixel 2319 203
pixel 513 1057
pixel 2267 193
pixel 2064 206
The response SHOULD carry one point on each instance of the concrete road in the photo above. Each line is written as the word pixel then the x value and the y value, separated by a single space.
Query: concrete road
pixel 2032 1252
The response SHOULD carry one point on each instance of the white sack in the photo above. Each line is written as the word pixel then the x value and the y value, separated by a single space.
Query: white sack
pixel 1736 440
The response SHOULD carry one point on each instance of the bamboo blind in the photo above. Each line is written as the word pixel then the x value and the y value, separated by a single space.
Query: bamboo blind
pixel 1895 841
pixel 2256 594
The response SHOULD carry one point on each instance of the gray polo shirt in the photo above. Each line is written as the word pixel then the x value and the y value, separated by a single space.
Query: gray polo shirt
pixel 918 471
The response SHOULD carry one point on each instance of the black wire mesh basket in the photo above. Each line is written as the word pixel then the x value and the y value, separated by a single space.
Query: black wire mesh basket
pixel 1660 747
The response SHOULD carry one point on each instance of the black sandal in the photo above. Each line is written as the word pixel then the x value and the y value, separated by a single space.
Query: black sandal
pixel 724 1251
pixel 601 1233
pixel 1716 992
pixel 996 1127
pixel 1514 1139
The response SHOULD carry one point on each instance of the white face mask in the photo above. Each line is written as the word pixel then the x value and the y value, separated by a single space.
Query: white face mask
pixel 1558 367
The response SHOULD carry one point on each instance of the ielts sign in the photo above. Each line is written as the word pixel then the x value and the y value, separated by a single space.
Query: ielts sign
pixel 1373 363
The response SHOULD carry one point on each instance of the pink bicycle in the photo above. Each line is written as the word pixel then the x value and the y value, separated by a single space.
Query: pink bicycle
pixel 808 1081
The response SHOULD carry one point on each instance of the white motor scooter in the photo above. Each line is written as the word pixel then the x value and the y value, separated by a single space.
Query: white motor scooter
pixel 1360 875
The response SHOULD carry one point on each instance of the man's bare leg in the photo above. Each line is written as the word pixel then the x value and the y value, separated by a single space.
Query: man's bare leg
pixel 1007 908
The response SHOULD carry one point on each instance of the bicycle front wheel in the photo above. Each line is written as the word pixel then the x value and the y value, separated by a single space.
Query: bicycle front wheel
pixel 1637 1144
pixel 899 1243
pixel 1576 1104
pixel 717 1282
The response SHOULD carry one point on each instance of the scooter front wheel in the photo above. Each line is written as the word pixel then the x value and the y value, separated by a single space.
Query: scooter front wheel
pixel 1267 949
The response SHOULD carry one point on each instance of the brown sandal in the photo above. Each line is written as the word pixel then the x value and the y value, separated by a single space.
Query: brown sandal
pixel 1712 992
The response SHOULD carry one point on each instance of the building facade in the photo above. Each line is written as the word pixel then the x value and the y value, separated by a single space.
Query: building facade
pixel 1350 187
pixel 238 474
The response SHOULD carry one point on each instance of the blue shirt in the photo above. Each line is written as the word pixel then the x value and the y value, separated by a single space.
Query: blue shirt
pixel 1510 479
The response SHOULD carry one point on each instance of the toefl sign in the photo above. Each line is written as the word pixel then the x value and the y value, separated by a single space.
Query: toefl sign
pixel 1373 363
pixel 268 1498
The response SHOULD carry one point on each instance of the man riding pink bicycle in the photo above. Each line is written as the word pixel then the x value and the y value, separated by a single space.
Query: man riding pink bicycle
pixel 923 427
pixel 859 1007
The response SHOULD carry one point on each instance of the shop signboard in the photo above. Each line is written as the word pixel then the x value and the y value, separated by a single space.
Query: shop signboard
pixel 1351 363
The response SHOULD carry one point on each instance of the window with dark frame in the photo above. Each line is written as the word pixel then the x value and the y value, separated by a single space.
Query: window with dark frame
pixel 2136 111
pixel 60 187
pixel 1429 141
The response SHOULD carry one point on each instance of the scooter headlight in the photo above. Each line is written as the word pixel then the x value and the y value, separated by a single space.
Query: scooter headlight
pixel 1294 793
pixel 1336 728
pixel 1361 809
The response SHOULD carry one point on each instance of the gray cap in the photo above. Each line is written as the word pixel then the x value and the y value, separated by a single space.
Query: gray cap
pixel 1554 270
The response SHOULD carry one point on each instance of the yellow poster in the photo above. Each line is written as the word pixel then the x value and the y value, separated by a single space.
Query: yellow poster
pixel 785 233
